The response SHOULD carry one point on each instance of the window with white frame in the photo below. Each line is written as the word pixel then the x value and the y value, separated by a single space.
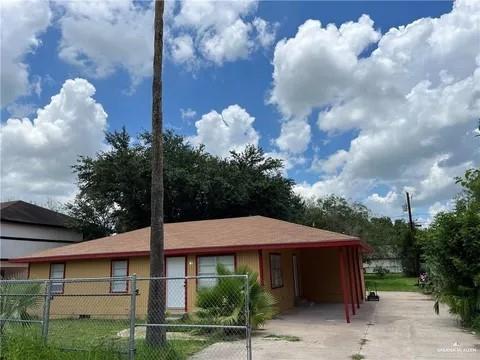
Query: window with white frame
pixel 207 266
pixel 119 269
pixel 276 276
pixel 57 271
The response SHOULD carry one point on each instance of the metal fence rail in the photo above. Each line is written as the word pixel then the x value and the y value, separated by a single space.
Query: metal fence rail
pixel 206 317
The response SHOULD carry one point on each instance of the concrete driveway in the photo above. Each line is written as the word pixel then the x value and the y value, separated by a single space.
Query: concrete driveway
pixel 401 326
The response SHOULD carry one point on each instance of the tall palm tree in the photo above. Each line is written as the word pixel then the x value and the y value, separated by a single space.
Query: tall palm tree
pixel 156 295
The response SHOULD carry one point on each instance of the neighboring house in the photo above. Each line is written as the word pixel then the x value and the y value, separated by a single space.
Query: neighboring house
pixel 393 265
pixel 385 256
pixel 26 228
pixel 294 262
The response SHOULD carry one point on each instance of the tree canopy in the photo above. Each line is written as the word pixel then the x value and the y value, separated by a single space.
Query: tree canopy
pixel 335 213
pixel 114 186
pixel 114 192
pixel 452 252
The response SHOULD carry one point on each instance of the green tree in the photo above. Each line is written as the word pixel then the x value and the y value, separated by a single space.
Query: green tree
pixel 114 186
pixel 335 213
pixel 452 252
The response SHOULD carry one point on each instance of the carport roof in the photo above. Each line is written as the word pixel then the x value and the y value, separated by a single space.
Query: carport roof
pixel 205 236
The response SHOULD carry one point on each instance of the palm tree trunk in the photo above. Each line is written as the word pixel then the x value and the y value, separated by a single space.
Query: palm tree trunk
pixel 156 297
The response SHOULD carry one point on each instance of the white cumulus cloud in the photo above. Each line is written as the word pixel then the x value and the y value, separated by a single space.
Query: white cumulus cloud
pixel 21 27
pixel 411 97
pixel 37 154
pixel 101 37
pixel 294 136
pixel 215 32
pixel 232 129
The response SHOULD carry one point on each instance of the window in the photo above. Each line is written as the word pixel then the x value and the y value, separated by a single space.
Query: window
pixel 57 271
pixel 276 277
pixel 207 266
pixel 119 269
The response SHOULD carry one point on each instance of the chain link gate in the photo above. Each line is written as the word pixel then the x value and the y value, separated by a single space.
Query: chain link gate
pixel 207 317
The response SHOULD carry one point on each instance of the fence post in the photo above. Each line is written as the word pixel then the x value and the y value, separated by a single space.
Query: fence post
pixel 46 309
pixel 247 318
pixel 133 300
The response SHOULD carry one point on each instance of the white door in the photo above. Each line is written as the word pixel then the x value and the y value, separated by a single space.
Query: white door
pixel 176 287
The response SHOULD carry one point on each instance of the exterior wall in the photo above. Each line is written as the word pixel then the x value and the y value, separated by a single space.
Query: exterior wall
pixel 117 304
pixel 38 232
pixel 285 295
pixel 17 240
pixel 10 248
pixel 13 271
pixel 320 277
pixel 318 271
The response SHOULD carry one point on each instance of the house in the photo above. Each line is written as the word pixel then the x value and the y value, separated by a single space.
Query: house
pixel 294 262
pixel 26 228
pixel 386 257
pixel 393 265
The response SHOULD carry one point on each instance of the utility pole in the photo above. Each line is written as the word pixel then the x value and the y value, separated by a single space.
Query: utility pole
pixel 412 247
pixel 409 208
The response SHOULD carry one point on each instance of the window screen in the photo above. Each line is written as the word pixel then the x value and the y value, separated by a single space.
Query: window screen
pixel 57 271
pixel 276 270
pixel 207 266
pixel 119 269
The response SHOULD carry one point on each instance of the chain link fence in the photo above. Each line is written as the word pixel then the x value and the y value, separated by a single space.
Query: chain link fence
pixel 205 317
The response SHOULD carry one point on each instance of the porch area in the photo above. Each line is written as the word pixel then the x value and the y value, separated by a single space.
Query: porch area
pixel 310 276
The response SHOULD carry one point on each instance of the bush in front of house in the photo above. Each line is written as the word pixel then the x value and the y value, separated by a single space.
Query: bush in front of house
pixel 224 303
pixel 18 301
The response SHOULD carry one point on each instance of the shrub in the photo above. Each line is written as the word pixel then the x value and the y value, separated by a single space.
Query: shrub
pixel 224 303
pixel 27 298
pixel 452 253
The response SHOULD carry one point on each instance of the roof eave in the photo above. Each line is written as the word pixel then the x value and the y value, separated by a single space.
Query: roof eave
pixel 202 250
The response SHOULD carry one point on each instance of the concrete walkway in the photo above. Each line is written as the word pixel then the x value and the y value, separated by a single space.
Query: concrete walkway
pixel 402 326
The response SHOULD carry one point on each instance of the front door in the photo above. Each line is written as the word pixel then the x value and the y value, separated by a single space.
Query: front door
pixel 176 287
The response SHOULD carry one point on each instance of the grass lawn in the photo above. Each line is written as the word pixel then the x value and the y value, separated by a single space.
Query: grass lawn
pixel 391 282
pixel 96 339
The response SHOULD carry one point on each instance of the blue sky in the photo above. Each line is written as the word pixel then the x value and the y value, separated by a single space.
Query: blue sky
pixel 346 77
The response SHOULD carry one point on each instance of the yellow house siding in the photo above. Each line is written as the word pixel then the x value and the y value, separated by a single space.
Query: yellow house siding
pixel 318 276
pixel 285 295
pixel 250 259
pixel 39 271
pixel 116 305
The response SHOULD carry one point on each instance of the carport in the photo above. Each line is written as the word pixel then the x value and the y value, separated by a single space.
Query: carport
pixel 327 272
pixel 332 275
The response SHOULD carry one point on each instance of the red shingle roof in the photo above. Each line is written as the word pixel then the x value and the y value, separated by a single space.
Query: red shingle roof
pixel 255 232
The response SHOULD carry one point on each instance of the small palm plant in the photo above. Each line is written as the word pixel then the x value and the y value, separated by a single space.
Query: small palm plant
pixel 16 300
pixel 224 303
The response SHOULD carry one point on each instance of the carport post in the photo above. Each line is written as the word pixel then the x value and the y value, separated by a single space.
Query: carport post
pixel 341 262
pixel 359 274
pixel 350 278
pixel 354 274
